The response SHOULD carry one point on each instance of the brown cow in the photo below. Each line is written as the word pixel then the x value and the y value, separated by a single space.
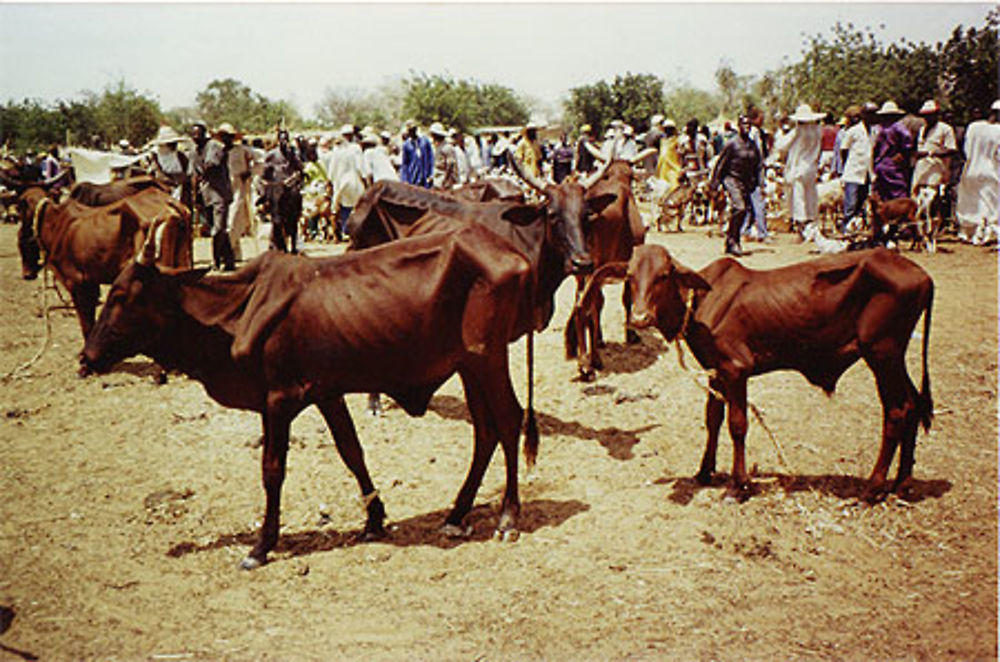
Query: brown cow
pixel 612 234
pixel 489 188
pixel 99 195
pixel 817 317
pixel 285 332
pixel 87 246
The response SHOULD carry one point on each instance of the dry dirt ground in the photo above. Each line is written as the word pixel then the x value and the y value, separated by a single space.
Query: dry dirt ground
pixel 126 507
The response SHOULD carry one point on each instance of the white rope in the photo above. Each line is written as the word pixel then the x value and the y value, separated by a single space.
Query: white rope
pixel 48 332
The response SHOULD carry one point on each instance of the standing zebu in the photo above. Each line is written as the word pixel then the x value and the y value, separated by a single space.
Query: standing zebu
pixel 88 246
pixel 549 235
pixel 285 332
pixel 816 317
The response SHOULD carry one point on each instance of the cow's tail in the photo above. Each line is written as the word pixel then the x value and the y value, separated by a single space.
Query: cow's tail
pixel 530 422
pixel 926 402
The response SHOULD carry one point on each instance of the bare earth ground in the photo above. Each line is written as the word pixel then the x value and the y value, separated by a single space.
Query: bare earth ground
pixel 126 506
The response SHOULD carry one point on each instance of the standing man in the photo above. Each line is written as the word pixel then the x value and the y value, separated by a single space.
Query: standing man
pixel 738 172
pixel 528 152
pixel 935 146
pixel 979 186
pixel 584 151
pixel 241 164
pixel 210 163
pixel 418 157
pixel 800 147
pixel 445 161
pixel 856 155
pixel 347 175
pixel 891 152
pixel 652 139
pixel 282 179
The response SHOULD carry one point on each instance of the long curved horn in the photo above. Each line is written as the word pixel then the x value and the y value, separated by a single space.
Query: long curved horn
pixel 147 256
pixel 533 181
pixel 587 182
pixel 649 151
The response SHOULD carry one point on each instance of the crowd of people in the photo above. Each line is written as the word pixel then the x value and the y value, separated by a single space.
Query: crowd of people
pixel 873 151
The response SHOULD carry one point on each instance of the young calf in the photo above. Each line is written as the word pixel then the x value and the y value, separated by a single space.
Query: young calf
pixel 816 317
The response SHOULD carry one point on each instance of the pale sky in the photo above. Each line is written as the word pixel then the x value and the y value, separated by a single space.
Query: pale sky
pixel 296 52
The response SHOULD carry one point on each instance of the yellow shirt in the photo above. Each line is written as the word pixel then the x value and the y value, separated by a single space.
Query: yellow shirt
pixel 669 165
pixel 529 154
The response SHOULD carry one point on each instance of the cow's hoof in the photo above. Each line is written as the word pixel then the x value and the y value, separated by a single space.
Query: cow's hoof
pixel 874 494
pixel 251 563
pixel 456 531
pixel 372 535
pixel 506 535
pixel 83 372
pixel 703 478
pixel 738 493
pixel 587 374
pixel 160 378
pixel 906 489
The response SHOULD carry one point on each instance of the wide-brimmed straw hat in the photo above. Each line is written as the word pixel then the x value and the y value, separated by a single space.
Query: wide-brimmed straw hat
pixel 930 106
pixel 889 108
pixel 166 135
pixel 804 113
pixel 437 129
pixel 347 130
pixel 996 105
pixel 225 129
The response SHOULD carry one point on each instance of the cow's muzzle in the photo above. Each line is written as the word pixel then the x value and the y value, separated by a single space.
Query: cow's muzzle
pixel 581 264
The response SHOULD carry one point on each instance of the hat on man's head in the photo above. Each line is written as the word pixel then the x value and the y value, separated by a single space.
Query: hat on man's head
pixel 669 124
pixel 386 136
pixel 369 138
pixel 996 105
pixel 804 113
pixel 869 107
pixel 656 120
pixel 347 130
pixel 226 129
pixel 166 135
pixel 930 106
pixel 586 128
pixel 409 124
pixel 889 108
pixel 437 129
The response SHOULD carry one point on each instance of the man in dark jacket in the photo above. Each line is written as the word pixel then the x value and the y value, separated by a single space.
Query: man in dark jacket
pixel 210 164
pixel 282 179
pixel 738 172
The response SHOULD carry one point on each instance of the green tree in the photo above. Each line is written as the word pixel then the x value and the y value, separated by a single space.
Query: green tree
pixel 121 112
pixel 684 102
pixel 229 100
pixel 970 71
pixel 633 98
pixel 462 104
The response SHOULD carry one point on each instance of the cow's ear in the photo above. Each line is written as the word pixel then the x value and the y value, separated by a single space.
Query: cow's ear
pixel 597 204
pixel 521 215
pixel 691 279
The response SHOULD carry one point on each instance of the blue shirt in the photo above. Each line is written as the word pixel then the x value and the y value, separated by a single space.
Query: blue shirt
pixel 417 165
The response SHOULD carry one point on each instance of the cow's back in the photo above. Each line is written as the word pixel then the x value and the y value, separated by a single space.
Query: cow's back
pixel 817 316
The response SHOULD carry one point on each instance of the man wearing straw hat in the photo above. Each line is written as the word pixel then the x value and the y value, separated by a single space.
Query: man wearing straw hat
pixel 935 146
pixel 170 165
pixel 801 146
pixel 891 154
pixel 210 163
pixel 242 161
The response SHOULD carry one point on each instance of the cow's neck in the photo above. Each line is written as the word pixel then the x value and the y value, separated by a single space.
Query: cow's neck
pixel 201 349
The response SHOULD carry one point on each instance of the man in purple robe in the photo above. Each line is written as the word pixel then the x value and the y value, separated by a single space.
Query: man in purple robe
pixel 891 154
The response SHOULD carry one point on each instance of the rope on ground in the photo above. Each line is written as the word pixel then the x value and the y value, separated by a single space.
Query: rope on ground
pixel 48 332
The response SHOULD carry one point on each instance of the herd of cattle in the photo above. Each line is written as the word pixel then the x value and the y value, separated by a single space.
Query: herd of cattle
pixel 460 276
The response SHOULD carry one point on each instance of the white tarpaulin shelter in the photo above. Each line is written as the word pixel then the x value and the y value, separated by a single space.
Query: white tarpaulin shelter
pixel 91 165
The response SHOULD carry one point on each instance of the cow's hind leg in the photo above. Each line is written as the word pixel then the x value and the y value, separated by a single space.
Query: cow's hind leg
pixel 631 335
pixel 715 410
pixel 899 423
pixel 277 420
pixel 338 418
pixel 736 397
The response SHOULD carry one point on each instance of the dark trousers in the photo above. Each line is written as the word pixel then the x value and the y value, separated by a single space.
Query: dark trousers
pixel 286 207
pixel 740 207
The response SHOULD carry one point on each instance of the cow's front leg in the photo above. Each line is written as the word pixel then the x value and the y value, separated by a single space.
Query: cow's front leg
pixel 715 410
pixel 338 418
pixel 485 442
pixel 737 399
pixel 273 460
pixel 631 335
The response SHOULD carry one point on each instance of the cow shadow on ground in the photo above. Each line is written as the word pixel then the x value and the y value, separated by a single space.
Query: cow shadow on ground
pixel 847 488
pixel 419 530
pixel 619 443
pixel 624 358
